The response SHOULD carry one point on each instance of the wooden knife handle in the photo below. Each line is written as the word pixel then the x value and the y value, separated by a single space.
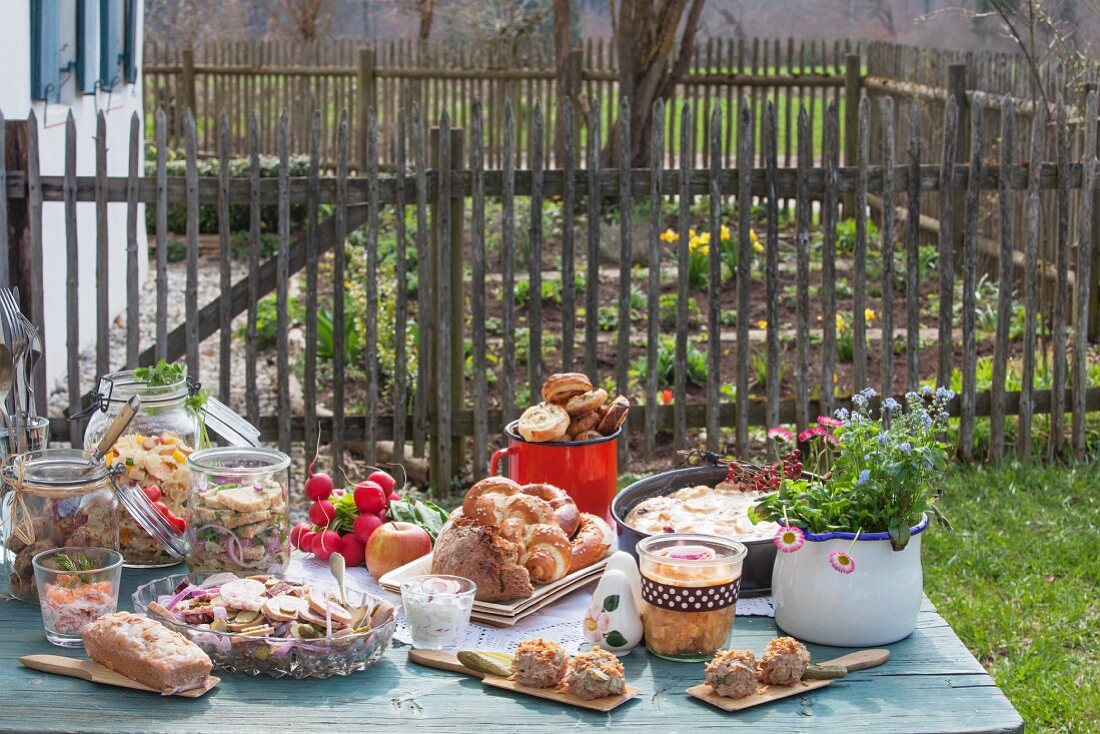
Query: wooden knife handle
pixel 861 659
pixel 442 661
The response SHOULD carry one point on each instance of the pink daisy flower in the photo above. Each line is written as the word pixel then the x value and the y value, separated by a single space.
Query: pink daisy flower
pixel 780 434
pixel 829 422
pixel 811 433
pixel 831 438
pixel 842 561
pixel 788 538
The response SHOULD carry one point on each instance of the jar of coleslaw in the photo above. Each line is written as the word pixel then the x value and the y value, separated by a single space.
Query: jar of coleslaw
pixel 236 513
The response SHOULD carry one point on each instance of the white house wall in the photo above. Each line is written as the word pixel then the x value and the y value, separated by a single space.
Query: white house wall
pixel 15 33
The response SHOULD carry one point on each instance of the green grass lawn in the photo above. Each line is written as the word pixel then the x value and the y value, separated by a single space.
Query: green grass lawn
pixel 1019 580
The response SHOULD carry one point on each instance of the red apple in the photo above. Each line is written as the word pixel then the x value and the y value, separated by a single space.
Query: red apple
pixel 395 544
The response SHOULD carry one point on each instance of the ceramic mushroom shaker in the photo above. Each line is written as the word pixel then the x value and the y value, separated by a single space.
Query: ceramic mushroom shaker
pixel 613 621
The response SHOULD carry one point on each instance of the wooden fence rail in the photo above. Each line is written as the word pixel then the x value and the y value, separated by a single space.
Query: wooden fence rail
pixel 655 300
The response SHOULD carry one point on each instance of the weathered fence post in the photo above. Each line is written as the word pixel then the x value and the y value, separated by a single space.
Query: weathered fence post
pixel 187 79
pixel 367 91
pixel 16 269
pixel 853 89
pixel 1094 285
pixel 956 89
pixel 451 313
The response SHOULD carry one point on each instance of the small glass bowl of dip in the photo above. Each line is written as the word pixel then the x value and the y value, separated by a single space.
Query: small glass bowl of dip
pixel 437 610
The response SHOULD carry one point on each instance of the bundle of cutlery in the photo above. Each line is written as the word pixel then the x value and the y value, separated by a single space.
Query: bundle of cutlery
pixel 20 350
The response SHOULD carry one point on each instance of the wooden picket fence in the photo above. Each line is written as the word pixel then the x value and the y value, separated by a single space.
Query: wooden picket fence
pixel 305 78
pixel 441 406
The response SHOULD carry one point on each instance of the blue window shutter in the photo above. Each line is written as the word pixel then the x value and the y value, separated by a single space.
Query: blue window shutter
pixel 45 36
pixel 87 30
pixel 131 41
pixel 110 45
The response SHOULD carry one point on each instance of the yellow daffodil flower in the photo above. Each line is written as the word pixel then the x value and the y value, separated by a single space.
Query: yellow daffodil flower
pixel 841 323
pixel 869 314
pixel 762 324
pixel 670 235
pixel 724 233
pixel 752 235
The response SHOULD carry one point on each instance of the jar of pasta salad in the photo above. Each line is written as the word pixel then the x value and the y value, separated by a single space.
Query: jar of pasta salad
pixel 53 498
pixel 152 453
pixel 237 516
pixel 690 585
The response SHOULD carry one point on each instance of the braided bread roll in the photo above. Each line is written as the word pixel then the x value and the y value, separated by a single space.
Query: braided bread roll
pixel 544 422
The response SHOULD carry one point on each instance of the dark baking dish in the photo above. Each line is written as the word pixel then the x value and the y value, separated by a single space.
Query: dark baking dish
pixel 756 574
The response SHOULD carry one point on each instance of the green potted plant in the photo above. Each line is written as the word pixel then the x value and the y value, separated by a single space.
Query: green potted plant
pixel 849 571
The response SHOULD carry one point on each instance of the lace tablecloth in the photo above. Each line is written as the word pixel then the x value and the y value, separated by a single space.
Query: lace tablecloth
pixel 560 621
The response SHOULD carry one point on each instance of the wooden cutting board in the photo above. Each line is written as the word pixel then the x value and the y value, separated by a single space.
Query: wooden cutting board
pixel 859 660
pixel 446 661
pixel 96 673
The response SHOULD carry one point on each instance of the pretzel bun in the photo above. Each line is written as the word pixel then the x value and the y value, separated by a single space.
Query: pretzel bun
pixel 483 500
pixel 560 387
pixel 585 402
pixel 531 510
pixel 583 424
pixel 616 416
pixel 547 553
pixel 544 422
pixel 566 514
pixel 593 539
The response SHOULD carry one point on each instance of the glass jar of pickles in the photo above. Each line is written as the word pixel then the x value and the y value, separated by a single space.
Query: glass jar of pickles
pixel 236 514
pixel 152 452
pixel 53 498
pixel 690 585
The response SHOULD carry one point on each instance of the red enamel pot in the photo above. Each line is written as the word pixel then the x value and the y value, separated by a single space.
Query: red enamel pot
pixel 587 470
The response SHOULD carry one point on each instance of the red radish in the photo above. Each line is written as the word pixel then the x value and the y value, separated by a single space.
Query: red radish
pixel 325 543
pixel 383 480
pixel 394 497
pixel 352 549
pixel 365 525
pixel 318 486
pixel 321 512
pixel 369 497
pixel 152 492
pixel 296 533
pixel 305 540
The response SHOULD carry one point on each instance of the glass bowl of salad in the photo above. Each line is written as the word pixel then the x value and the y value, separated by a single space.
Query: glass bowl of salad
pixel 268 624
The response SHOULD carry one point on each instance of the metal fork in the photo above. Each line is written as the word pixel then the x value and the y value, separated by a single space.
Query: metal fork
pixel 17 342
pixel 34 353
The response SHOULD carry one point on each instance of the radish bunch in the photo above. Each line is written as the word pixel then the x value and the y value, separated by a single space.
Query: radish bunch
pixel 342 520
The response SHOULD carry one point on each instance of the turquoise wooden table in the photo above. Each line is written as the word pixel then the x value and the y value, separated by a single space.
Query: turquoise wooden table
pixel 931 684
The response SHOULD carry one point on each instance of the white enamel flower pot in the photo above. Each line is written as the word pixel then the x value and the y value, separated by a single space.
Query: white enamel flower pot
pixel 876 604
